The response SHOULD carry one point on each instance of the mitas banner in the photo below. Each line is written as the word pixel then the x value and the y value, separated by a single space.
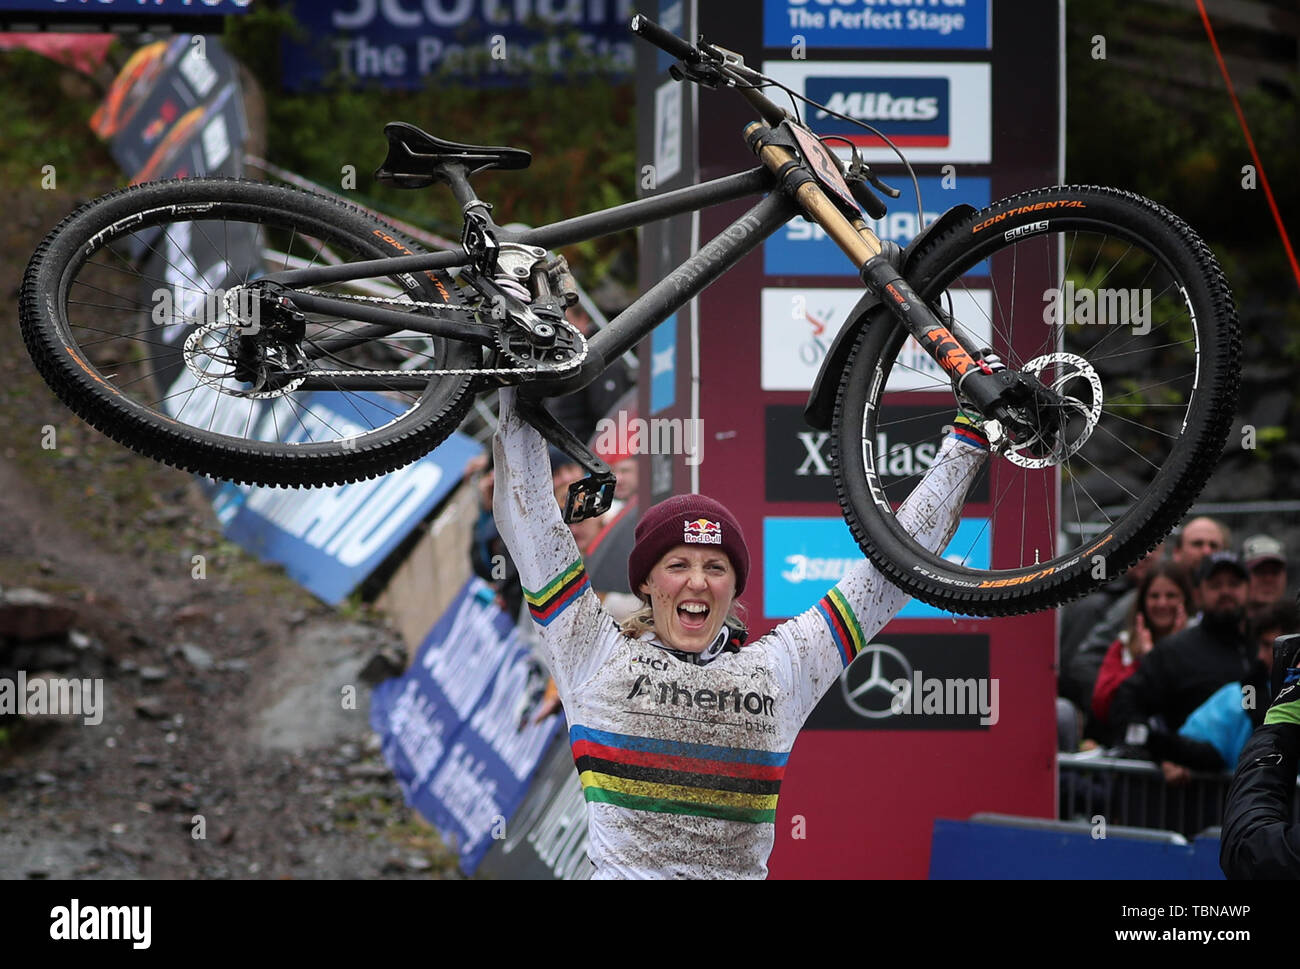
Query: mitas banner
pixel 450 725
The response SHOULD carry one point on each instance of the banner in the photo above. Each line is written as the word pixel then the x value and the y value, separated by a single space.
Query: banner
pixel 330 539
pixel 174 111
pixel 547 837
pixel 449 725
pixel 479 41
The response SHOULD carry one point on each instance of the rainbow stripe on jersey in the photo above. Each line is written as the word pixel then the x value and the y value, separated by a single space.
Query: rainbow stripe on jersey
pixel 846 632
pixel 558 594
pixel 673 777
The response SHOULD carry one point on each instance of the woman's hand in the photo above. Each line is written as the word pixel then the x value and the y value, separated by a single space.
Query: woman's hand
pixel 1142 641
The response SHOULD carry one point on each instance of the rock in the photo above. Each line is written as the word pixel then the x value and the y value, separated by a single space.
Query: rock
pixel 28 614
pixel 151 708
pixel 79 640
pixel 135 849
pixel 196 656
pixel 152 674
pixel 191 613
pixel 44 777
pixel 418 863
pixel 233 665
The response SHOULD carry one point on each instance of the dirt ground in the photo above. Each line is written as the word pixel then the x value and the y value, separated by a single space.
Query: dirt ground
pixel 223 694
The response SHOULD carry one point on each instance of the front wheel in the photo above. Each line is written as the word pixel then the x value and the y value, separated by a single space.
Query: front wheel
pixel 126 311
pixel 1116 305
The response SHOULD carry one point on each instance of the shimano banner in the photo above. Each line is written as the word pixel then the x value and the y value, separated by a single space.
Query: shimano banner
pixel 450 728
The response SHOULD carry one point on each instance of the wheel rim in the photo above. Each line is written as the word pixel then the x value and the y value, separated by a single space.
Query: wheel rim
pixel 1146 365
pixel 145 308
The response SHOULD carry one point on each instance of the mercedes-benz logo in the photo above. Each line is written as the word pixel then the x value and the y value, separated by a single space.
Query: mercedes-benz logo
pixel 868 683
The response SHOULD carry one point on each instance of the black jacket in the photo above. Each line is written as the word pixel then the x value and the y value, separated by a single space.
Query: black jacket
pixel 1259 840
pixel 1178 675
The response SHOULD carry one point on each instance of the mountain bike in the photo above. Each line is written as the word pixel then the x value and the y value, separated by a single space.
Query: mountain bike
pixel 271 336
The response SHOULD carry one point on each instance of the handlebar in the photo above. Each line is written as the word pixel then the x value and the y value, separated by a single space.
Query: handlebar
pixel 708 65
pixel 664 39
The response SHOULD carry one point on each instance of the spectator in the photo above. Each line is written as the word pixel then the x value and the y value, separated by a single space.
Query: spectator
pixel 1198 538
pixel 1201 536
pixel 1180 673
pixel 1266 559
pixel 1159 610
pixel 1259 838
pixel 1217 730
pixel 1077 675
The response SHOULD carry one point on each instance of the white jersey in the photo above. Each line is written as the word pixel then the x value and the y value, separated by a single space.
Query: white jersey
pixel 680 762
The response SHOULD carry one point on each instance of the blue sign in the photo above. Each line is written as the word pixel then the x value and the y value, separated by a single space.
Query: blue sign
pixel 804 557
pixel 663 365
pixel 211 8
pixel 915 112
pixel 330 539
pixel 450 724
pixel 803 249
pixel 408 45
pixel 903 24
pixel 671 18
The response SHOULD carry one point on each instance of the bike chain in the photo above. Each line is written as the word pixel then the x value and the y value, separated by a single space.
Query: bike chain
pixel 407 304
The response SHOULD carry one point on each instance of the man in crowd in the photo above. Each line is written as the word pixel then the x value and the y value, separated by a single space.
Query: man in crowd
pixel 1198 538
pixel 1266 559
pixel 1184 670
pixel 1259 838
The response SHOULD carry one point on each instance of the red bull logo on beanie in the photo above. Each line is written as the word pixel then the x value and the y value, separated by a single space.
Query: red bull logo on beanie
pixel 701 531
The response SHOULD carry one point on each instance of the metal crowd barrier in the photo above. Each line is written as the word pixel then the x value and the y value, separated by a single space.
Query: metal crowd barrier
pixel 1134 793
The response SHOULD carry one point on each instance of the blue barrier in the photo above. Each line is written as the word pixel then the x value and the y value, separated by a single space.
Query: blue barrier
pixel 1007 847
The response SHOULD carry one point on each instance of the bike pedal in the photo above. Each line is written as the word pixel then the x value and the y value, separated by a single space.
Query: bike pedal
pixel 589 498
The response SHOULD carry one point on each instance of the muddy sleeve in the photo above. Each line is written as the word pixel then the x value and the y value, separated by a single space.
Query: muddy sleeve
pixel 816 646
pixel 568 615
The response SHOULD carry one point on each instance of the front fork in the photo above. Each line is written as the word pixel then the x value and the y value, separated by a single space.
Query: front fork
pixel 1026 410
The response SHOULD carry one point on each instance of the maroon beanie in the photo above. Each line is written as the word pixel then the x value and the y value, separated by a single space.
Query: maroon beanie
pixel 686 520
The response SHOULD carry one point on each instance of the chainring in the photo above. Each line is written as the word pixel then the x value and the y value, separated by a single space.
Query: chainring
pixel 517 347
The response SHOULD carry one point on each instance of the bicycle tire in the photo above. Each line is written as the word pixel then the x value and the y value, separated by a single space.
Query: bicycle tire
pixel 93 336
pixel 1150 479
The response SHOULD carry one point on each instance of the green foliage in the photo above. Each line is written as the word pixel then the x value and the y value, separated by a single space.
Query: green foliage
pixel 41 97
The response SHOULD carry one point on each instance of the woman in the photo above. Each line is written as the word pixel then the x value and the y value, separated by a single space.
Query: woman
pixel 681 736
pixel 1159 610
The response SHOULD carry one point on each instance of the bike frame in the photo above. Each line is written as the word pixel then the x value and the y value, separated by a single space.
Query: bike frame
pixel 628 328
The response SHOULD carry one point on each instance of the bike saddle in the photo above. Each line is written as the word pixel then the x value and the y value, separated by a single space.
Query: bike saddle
pixel 415 157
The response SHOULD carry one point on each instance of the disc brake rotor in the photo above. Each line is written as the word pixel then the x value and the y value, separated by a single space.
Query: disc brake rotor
pixel 1089 413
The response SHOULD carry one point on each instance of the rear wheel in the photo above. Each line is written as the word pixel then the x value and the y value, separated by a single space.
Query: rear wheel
pixel 1113 302
pixel 133 312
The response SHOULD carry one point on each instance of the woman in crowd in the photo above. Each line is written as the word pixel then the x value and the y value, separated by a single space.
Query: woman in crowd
pixel 1160 609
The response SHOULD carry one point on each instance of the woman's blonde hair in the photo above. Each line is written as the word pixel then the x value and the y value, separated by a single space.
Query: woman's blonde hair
pixel 643 620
